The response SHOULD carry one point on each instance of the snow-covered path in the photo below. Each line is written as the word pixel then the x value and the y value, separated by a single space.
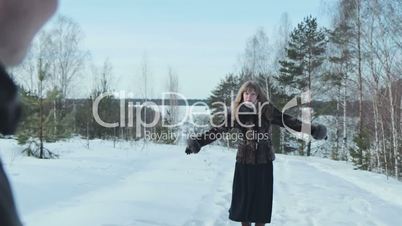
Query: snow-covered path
pixel 160 185
pixel 305 194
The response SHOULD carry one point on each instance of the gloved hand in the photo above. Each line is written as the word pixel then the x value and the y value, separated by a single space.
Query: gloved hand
pixel 319 132
pixel 193 146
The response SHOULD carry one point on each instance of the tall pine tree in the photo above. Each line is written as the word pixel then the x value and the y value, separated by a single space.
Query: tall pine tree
pixel 305 54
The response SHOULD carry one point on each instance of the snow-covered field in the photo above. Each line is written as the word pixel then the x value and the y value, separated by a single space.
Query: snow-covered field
pixel 136 184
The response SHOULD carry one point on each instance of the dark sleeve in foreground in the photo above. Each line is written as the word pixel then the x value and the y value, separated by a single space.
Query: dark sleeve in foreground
pixel 8 212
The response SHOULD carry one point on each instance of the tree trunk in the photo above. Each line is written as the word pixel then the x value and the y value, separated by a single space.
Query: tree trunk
pixel 394 132
pixel 55 117
pixel 359 69
pixel 344 140
pixel 41 121
pixel 384 148
pixel 377 141
pixel 337 118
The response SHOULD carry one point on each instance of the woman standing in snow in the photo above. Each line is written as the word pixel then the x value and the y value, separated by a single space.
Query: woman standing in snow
pixel 252 114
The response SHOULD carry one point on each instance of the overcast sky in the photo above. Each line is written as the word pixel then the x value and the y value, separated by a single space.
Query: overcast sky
pixel 201 40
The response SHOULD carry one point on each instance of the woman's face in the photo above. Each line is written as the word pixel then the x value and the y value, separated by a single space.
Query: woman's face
pixel 250 96
pixel 19 22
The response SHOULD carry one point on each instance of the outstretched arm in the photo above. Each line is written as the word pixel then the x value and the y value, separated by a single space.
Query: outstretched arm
pixel 195 143
pixel 279 118
pixel 282 120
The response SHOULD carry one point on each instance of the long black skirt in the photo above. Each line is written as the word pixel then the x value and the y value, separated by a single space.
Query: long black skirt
pixel 252 193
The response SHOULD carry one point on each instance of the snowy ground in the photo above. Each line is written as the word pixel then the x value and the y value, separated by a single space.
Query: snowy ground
pixel 140 185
